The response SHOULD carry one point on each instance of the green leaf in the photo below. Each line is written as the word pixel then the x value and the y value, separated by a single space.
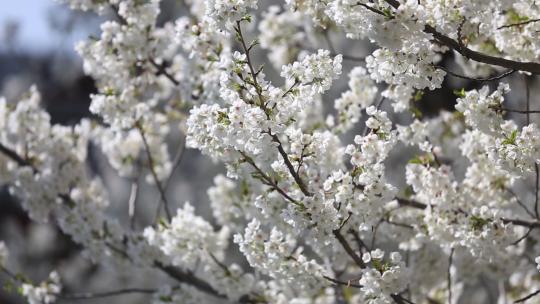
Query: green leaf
pixel 459 93
pixel 408 191
pixel 418 96
pixel 223 118
pixel 416 112
pixel 514 17
pixel 477 223
pixel 511 140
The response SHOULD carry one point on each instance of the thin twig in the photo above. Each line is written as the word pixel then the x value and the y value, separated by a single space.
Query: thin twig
pixel 518 23
pixel 328 41
pixel 132 202
pixel 517 222
pixel 289 165
pixel 258 88
pixel 153 172
pixel 449 276
pixel 15 157
pixel 528 297
pixel 8 272
pixel 356 258
pixel 494 78
pixel 188 278
pixel 536 191
pixel 267 179
pixel 161 70
pixel 375 230
pixel 337 282
pixel 378 106
pixel 176 163
pixel 527 98
pixel 532 67
pixel 523 237
pixel 518 111
pixel 358 240
pixel 105 294
pixel 520 203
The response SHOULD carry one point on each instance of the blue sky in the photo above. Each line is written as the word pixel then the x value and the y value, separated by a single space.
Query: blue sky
pixel 35 33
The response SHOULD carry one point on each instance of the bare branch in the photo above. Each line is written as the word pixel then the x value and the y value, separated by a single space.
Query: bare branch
pixel 151 164
pixel 494 78
pixel 356 258
pixel 528 297
pixel 518 23
pixel 104 294
pixel 532 67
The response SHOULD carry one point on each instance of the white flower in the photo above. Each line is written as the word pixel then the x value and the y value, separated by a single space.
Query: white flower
pixel 187 238
pixel 315 72
pixel 45 292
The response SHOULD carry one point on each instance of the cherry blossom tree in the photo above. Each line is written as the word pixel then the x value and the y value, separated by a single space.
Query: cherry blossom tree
pixel 309 200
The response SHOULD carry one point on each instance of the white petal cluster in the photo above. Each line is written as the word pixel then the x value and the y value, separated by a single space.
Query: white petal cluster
pixel 416 133
pixel 384 279
pixel 186 238
pixel 480 108
pixel 511 149
pixel 45 292
pixel 369 168
pixel 281 35
pixel 361 94
pixel 412 67
pixel 315 72
pixel 273 254
pixel 227 12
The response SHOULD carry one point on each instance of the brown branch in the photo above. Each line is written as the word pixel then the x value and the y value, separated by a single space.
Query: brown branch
pixel 517 111
pixel 518 222
pixel 16 158
pixel 536 186
pixel 356 258
pixel 520 203
pixel 96 295
pixel 153 171
pixel 449 275
pixel 337 282
pixel 411 203
pixel 532 67
pixel 527 98
pixel 400 300
pixel 289 165
pixel 523 237
pixel 524 223
pixel 188 278
pixel 258 88
pixel 494 78
pixel 518 23
pixel 161 70
pixel 267 179
pixel 373 9
pixel 528 297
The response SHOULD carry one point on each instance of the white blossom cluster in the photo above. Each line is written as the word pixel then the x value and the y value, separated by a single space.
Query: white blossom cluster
pixel 45 292
pixel 186 238
pixel 305 211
